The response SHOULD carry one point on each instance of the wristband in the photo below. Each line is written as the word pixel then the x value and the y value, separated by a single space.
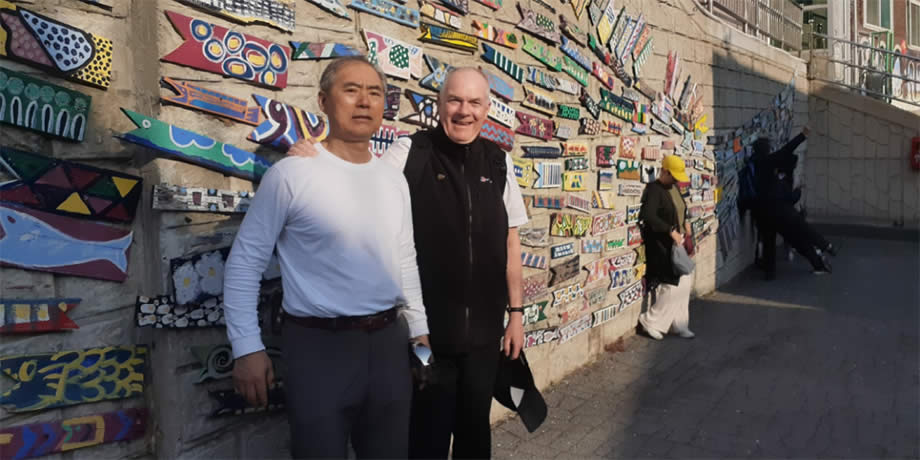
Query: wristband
pixel 515 309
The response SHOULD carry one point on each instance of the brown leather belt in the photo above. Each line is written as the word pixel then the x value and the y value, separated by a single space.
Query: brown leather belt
pixel 366 322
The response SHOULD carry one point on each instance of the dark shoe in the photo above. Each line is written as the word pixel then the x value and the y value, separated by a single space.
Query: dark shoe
pixel 831 249
pixel 824 268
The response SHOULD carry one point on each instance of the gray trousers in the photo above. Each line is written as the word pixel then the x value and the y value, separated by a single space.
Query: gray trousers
pixel 351 383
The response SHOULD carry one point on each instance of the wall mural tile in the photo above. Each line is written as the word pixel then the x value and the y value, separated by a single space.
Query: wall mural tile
pixel 37 105
pixel 44 438
pixel 210 101
pixel 276 13
pixel 27 316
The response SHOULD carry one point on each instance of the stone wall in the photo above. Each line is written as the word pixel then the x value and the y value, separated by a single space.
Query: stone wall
pixel 739 76
pixel 857 167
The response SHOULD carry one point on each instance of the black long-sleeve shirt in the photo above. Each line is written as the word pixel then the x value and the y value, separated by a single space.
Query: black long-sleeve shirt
pixel 766 168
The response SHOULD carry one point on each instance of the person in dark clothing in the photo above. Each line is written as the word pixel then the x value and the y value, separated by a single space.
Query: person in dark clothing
pixel 775 209
pixel 466 207
pixel 664 224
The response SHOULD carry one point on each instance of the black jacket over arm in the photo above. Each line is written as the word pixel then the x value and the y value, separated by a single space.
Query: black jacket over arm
pixel 658 217
pixel 769 188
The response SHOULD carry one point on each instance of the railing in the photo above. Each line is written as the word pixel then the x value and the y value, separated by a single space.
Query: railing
pixel 779 22
pixel 872 71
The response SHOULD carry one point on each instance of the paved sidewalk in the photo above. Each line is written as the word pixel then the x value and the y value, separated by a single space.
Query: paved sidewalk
pixel 804 367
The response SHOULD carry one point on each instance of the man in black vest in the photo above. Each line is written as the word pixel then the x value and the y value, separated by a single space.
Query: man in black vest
pixel 466 207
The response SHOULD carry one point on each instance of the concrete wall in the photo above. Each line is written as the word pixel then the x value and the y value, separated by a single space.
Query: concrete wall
pixel 857 166
pixel 739 77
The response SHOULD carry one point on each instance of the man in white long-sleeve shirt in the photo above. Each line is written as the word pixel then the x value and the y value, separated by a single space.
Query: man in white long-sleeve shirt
pixel 342 225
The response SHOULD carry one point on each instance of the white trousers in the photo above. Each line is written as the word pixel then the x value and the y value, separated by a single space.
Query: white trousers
pixel 671 310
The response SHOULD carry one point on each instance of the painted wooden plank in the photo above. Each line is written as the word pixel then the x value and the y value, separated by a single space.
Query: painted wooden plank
pixel 392 101
pixel 548 202
pixel 628 145
pixel 333 6
pixel 501 112
pixel 566 270
pixel 597 270
pixel 628 169
pixel 589 104
pixel 495 35
pixel 55 47
pixel 631 189
pixel 603 223
pixel 576 202
pixel 605 154
pixel 625 27
pixel 439 70
pixel 542 53
pixel 534 237
pixel 574 149
pixel 533 260
pixel 311 51
pixel 210 101
pixel 602 76
pixel 68 188
pixel 384 138
pixel 592 246
pixel 216 49
pixel 594 12
pixel 621 277
pixel 534 313
pixel 498 86
pixel 394 57
pixel 562 250
pixel 567 111
pixel 37 105
pixel 631 294
pixel 599 51
pixel 567 294
pixel 643 39
pixel 200 199
pixel 44 438
pixel 602 200
pixel 649 173
pixel 164 312
pixel 589 127
pixel 633 38
pixel 65 378
pixel 443 36
pixel 632 213
pixel 177 143
pixel 563 131
pixel 25 316
pixel 605 180
pixel 36 240
pixel 541 151
pixel 498 134
pixel 568 86
pixel 540 78
pixel 217 360
pixel 616 105
pixel 606 22
pixel 549 175
pixel 230 403
pixel 104 4
pixel 503 62
pixel 612 127
pixel 275 13
pixel 538 24
pixel 577 164
pixel 570 49
pixel 534 286
pixel 494 4
pixel 538 100
pixel 523 171
pixel 285 124
pixel 460 6
pixel 439 14
pixel 573 181
pixel 425 108
pixel 386 9
pixel 534 126
pixel 545 5
pixel 571 29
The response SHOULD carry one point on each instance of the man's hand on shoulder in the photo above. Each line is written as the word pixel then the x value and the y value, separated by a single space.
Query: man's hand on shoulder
pixel 302 148
pixel 252 375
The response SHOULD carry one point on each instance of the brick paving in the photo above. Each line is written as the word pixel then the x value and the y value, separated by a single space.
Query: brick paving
pixel 802 367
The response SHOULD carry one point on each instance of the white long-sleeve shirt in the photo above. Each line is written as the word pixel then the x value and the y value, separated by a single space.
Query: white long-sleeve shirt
pixel 344 240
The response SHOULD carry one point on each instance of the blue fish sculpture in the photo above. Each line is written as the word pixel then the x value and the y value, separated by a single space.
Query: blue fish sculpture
pixel 35 240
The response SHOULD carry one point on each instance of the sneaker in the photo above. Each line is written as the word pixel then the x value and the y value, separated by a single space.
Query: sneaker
pixel 651 332
pixel 825 267
pixel 686 334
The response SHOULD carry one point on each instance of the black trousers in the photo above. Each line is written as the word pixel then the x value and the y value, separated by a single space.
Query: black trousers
pixel 459 404
pixel 786 221
pixel 350 383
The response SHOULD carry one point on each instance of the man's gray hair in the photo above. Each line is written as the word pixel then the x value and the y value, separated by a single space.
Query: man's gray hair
pixel 332 70
pixel 458 69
